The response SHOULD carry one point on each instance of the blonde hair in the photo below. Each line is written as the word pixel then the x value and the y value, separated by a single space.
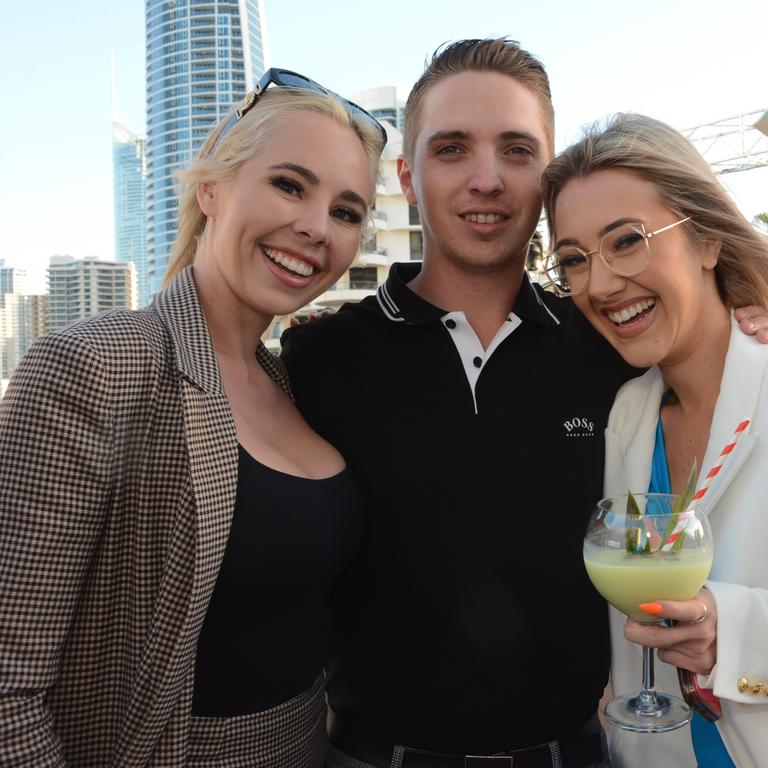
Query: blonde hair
pixel 222 155
pixel 685 184
pixel 499 55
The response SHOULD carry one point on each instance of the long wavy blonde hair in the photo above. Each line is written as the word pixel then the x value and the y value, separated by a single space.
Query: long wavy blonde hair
pixel 685 184
pixel 219 160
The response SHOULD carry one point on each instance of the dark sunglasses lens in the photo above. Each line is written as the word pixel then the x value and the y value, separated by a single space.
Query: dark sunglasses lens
pixel 293 80
pixel 368 116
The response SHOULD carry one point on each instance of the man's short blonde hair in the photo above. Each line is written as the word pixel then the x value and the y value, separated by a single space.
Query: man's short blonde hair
pixel 479 55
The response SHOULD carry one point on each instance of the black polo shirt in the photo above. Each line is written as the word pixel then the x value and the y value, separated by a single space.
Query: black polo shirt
pixel 467 623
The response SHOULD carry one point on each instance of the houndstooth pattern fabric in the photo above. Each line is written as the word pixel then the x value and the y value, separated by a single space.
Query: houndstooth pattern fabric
pixel 290 735
pixel 337 759
pixel 118 471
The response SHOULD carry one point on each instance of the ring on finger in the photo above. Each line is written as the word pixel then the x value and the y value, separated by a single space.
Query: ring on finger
pixel 702 617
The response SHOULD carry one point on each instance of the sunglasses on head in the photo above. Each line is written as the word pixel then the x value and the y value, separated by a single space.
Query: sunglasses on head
pixel 287 79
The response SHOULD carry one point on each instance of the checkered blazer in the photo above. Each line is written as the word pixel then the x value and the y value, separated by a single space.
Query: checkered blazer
pixel 118 471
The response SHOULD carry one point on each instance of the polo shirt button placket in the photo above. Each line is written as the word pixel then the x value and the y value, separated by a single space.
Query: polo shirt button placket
pixel 477 362
pixel 450 324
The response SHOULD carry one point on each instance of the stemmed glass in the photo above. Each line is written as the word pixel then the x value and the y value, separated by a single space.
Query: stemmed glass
pixel 639 548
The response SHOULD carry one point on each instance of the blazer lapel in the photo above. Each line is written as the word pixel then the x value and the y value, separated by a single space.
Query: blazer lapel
pixel 201 528
pixel 210 434
pixel 745 366
pixel 629 440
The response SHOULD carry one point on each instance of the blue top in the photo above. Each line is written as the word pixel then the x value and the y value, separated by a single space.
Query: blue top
pixel 660 482
pixel 707 744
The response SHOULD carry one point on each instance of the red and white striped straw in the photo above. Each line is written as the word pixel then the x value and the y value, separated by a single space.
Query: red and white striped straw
pixel 684 519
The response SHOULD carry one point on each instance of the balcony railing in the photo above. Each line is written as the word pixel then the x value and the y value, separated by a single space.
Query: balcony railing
pixel 363 285
pixel 355 285
pixel 372 250
pixel 379 215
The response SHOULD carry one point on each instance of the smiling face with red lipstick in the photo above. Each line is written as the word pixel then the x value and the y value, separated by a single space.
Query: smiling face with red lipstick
pixel 662 314
pixel 289 223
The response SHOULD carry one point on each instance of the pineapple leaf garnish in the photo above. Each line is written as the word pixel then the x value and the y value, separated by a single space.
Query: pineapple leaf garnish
pixel 634 530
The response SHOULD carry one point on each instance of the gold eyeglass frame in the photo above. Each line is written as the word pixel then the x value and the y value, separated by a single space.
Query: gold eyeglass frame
pixel 639 228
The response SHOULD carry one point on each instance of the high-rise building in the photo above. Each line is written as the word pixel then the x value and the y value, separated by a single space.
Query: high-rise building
pixel 31 320
pixel 202 55
pixel 20 317
pixel 129 173
pixel 79 288
pixel 12 279
pixel 8 322
pixel 22 320
pixel 387 102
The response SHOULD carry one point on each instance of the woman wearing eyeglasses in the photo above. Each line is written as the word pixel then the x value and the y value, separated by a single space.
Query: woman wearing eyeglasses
pixel 656 255
pixel 169 525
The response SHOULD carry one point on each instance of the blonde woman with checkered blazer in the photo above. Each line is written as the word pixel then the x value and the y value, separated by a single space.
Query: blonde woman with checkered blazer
pixel 169 525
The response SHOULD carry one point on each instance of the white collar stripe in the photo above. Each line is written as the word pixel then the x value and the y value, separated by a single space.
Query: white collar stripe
pixel 387 313
pixel 390 301
pixel 538 298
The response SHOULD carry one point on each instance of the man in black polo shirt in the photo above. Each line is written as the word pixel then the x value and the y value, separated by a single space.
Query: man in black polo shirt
pixel 471 406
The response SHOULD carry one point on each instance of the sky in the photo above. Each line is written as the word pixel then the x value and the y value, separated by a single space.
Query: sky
pixel 683 61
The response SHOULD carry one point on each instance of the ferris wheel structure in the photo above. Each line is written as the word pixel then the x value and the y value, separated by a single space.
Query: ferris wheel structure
pixel 738 143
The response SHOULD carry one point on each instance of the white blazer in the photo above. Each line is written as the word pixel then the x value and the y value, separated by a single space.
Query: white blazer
pixel 737 505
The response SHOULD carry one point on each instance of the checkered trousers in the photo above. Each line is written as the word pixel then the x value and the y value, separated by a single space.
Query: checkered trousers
pixel 290 735
pixel 118 472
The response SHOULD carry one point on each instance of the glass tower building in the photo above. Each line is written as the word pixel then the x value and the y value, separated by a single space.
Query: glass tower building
pixel 202 55
pixel 129 171
pixel 79 288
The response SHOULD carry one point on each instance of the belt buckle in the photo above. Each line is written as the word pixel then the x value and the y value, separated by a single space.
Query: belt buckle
pixel 488 761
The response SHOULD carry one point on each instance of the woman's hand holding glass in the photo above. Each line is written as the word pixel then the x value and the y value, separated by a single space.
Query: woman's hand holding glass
pixel 691 642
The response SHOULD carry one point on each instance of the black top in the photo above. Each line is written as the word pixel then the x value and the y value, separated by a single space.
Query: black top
pixel 466 623
pixel 267 629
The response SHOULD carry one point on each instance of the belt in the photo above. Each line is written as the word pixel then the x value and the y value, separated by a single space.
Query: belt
pixel 579 751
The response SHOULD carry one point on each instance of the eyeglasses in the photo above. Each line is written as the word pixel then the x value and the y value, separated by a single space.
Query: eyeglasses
pixel 287 79
pixel 625 251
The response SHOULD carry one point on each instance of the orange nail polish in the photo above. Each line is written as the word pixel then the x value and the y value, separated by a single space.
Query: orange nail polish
pixel 653 608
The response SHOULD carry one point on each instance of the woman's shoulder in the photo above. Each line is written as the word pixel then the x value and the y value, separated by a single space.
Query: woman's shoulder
pixel 634 398
pixel 115 342
pixel 640 385
pixel 121 332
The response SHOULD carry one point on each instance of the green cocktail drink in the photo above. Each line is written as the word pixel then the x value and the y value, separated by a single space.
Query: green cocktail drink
pixel 638 549
pixel 625 580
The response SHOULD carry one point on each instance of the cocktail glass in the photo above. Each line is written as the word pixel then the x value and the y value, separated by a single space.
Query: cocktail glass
pixel 638 549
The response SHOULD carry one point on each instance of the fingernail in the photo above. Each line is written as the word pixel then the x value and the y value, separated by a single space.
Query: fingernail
pixel 653 608
pixel 751 326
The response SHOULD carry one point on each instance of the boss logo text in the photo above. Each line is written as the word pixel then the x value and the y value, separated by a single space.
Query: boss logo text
pixel 579 426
